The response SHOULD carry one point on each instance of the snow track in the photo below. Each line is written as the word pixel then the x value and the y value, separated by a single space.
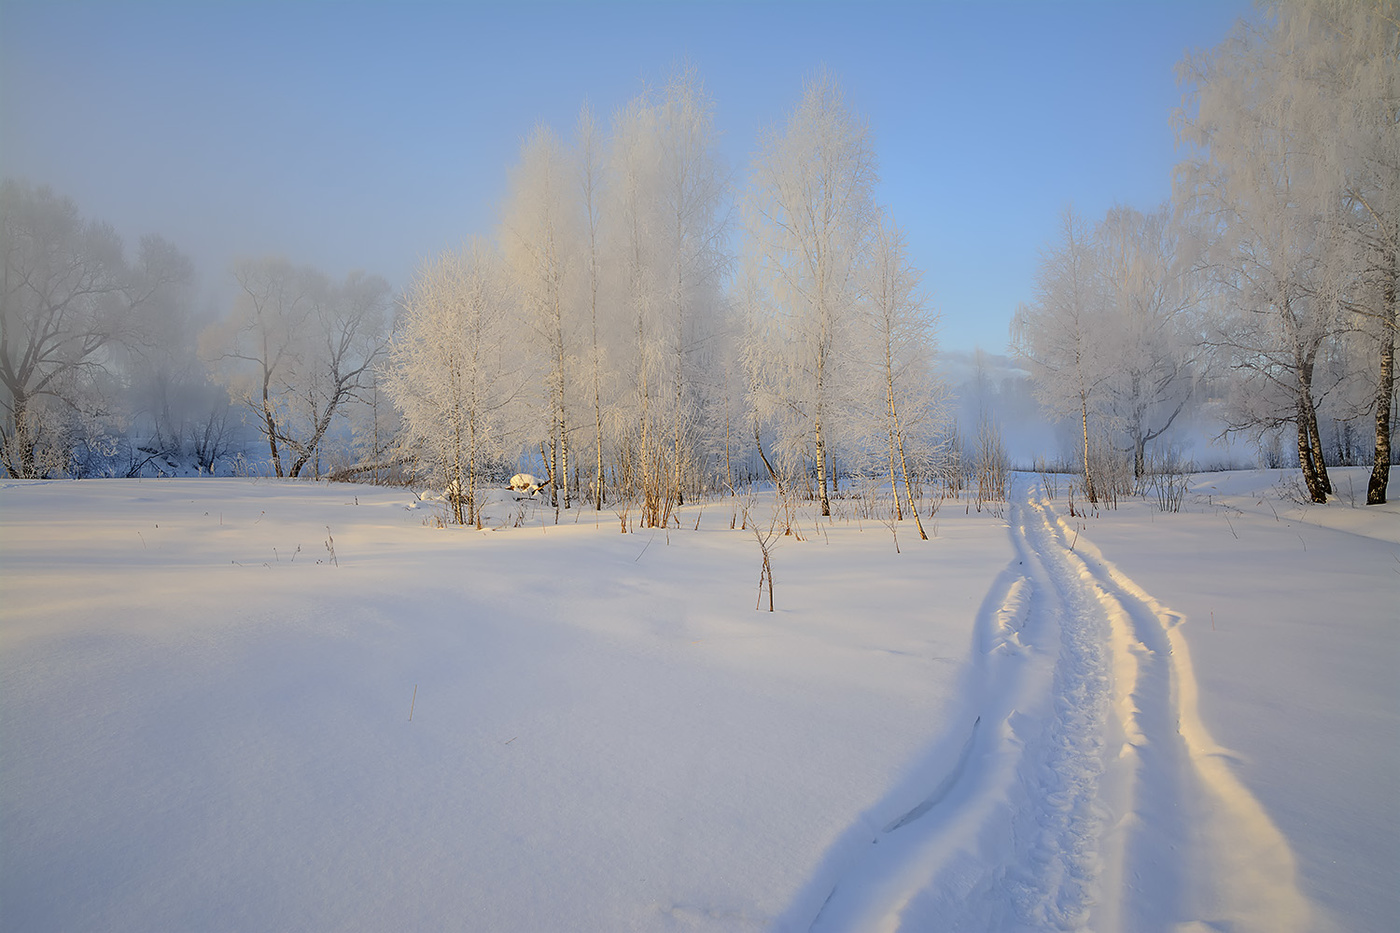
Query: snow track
pixel 1082 790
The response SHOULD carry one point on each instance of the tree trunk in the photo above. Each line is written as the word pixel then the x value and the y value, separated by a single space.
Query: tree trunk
pixel 1315 439
pixel 1309 445
pixel 1305 454
pixel 1088 472
pixel 22 440
pixel 772 473
pixel 904 466
pixel 821 441
pixel 1385 392
pixel 454 487
pixel 270 423
pixel 894 484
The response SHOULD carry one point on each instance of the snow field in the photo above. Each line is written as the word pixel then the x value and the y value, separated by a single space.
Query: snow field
pixel 605 734
pixel 1133 721
pixel 1285 614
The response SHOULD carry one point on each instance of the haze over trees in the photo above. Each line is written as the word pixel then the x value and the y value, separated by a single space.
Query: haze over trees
pixel 71 303
pixel 649 324
pixel 295 350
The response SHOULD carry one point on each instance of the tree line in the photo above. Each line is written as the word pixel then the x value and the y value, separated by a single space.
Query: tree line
pixel 647 325
pixel 613 327
pixel 1266 290
pixel 638 326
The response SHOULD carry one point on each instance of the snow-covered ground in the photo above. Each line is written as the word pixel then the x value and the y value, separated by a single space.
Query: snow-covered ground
pixel 1134 721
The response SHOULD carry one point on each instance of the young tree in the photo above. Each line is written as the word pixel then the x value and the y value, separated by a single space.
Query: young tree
pixel 809 214
pixel 692 190
pixel 537 239
pixel 1149 348
pixel 1060 336
pixel 592 180
pixel 900 334
pixel 68 298
pixel 459 370
pixel 633 222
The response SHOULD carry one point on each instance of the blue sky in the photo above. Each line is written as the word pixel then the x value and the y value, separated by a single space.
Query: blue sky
pixel 370 135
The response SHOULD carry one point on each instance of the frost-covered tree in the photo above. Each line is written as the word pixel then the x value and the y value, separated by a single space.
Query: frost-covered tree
pixel 633 223
pixel 1346 57
pixel 1293 183
pixel 1060 337
pixel 809 215
pixel 900 346
pixel 295 350
pixel 693 192
pixel 460 370
pixel 590 166
pixel 68 301
pixel 538 240
pixel 1146 335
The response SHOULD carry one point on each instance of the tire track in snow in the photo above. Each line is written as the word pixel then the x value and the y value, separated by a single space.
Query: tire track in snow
pixel 1007 840
pixel 1087 793
pixel 1050 880
pixel 1193 849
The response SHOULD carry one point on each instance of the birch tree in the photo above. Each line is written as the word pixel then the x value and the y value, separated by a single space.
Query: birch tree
pixel 1294 125
pixel 634 225
pixel 1348 56
pixel 537 240
pixel 692 190
pixel 901 348
pixel 1148 347
pixel 459 370
pixel 1060 337
pixel 809 214
pixel 590 162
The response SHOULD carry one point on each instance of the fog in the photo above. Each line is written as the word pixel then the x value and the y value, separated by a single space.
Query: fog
pixel 358 143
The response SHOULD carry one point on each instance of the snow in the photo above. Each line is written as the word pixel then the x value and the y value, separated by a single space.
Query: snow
pixel 1135 721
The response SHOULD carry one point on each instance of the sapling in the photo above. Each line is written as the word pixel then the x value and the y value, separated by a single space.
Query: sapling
pixel 764 537
pixel 891 520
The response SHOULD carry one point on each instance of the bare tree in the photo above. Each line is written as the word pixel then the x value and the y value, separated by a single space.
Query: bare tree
pixel 1150 350
pixel 633 223
pixel 69 299
pixel 1346 57
pixel 295 350
pixel 692 189
pixel 591 166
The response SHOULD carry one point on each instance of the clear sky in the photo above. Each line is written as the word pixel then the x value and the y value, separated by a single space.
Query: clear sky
pixel 371 135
